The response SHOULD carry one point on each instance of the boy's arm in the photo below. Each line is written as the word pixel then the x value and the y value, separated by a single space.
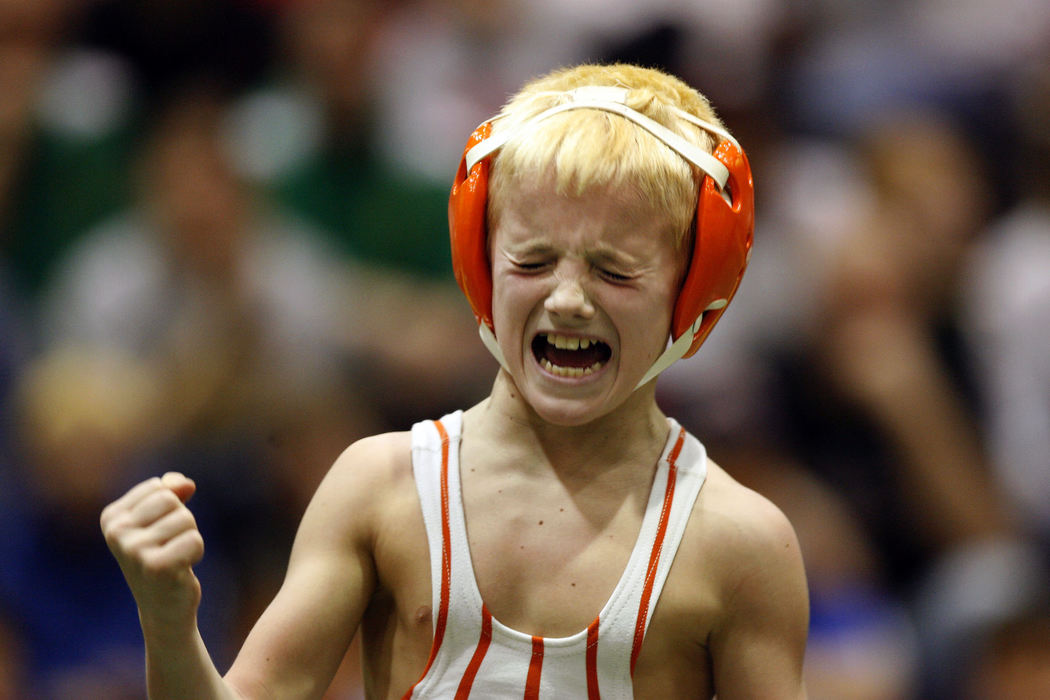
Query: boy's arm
pixel 295 648
pixel 757 649
pixel 299 642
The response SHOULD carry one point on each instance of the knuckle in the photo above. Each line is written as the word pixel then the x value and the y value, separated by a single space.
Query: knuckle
pixel 155 506
pixel 115 528
pixel 190 548
pixel 167 498
pixel 112 537
pixel 153 564
pixel 134 543
pixel 196 540
pixel 184 519
pixel 196 543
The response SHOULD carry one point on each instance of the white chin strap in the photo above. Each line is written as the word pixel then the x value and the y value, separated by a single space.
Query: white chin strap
pixel 489 339
pixel 674 352
pixel 677 350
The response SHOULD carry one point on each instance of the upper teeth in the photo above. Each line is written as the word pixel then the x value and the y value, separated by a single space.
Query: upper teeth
pixel 564 342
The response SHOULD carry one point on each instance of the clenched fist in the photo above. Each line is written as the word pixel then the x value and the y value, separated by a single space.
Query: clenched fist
pixel 155 539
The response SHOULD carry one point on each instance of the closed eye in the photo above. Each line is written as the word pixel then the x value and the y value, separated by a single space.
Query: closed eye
pixel 530 266
pixel 613 276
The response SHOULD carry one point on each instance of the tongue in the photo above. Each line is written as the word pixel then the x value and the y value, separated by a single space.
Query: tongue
pixel 575 358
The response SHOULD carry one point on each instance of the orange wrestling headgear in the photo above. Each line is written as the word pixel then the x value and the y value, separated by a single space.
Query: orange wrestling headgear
pixel 725 217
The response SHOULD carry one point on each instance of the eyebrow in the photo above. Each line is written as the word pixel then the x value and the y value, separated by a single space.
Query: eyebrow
pixel 612 255
pixel 599 255
pixel 533 247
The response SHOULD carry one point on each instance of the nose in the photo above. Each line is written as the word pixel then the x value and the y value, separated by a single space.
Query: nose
pixel 568 299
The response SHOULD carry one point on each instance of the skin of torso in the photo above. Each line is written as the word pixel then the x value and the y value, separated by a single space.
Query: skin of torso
pixel 546 561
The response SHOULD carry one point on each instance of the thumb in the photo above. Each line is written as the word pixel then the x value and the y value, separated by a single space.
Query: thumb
pixel 181 485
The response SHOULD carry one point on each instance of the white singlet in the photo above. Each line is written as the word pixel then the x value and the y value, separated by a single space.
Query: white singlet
pixel 474 655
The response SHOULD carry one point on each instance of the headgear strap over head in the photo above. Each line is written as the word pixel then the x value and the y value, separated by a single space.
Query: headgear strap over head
pixel 724 222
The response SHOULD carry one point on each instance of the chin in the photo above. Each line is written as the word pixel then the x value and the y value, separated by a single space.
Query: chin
pixel 570 402
pixel 569 412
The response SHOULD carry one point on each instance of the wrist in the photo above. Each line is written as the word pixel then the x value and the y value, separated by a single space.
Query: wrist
pixel 168 627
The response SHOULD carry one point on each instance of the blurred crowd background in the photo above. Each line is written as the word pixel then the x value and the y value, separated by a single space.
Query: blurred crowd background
pixel 223 250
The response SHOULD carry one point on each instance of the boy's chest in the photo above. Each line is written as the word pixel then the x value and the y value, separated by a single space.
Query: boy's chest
pixel 543 567
pixel 552 580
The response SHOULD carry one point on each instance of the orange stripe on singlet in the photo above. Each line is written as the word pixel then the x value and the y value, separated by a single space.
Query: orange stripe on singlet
pixel 446 560
pixel 592 660
pixel 532 681
pixel 654 555
pixel 465 684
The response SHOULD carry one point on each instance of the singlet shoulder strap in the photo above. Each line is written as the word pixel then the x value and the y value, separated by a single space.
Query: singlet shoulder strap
pixel 680 475
pixel 457 609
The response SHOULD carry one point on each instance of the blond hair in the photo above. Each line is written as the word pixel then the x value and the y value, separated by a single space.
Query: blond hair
pixel 590 148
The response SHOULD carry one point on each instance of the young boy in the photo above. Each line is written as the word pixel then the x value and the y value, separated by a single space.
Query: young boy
pixel 563 538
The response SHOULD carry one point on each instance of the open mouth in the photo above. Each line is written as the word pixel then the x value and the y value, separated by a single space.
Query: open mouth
pixel 570 356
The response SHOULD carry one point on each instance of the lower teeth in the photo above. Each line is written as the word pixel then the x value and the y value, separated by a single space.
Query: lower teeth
pixel 570 371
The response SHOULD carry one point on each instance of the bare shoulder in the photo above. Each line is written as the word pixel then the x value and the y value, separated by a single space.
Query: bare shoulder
pixel 757 634
pixel 377 458
pixel 739 549
pixel 362 484
pixel 742 525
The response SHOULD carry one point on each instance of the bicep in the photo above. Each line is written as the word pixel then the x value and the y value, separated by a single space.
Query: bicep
pixel 295 648
pixel 758 648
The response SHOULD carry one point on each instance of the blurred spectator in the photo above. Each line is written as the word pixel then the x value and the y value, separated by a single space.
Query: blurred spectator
pixel 235 305
pixel 966 593
pixel 167 42
pixel 85 419
pixel 1008 301
pixel 14 351
pixel 890 408
pixel 886 386
pixel 862 644
pixel 65 119
pixel 858 57
pixel 12 658
pixel 446 66
pixel 1013 662
pixel 309 135
pixel 308 139
pixel 235 317
pixel 734 390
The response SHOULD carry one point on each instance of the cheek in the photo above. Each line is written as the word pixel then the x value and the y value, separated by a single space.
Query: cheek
pixel 650 322
pixel 512 300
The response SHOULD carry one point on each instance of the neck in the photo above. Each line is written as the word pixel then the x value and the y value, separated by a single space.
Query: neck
pixel 632 433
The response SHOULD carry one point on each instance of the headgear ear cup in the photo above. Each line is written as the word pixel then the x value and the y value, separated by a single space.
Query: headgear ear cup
pixel 467 211
pixel 722 244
